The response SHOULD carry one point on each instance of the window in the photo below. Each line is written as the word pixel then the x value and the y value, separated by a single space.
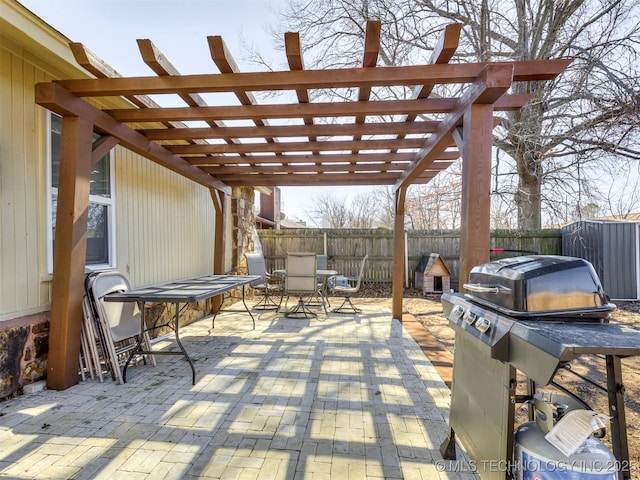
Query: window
pixel 100 228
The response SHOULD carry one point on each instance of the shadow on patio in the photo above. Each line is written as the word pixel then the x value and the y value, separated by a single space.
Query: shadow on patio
pixel 342 396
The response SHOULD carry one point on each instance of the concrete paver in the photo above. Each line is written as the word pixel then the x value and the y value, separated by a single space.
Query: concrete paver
pixel 339 396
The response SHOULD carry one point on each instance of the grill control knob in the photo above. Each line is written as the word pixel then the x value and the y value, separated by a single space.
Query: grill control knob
pixel 469 317
pixel 483 324
pixel 457 311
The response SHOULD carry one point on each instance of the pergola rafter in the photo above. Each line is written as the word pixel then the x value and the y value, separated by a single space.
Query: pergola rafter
pixel 363 141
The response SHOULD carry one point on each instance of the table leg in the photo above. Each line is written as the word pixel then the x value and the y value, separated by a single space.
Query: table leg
pixel 248 309
pixel 138 347
pixel 139 350
pixel 184 352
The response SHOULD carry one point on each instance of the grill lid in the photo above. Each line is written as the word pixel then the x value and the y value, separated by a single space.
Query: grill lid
pixel 539 286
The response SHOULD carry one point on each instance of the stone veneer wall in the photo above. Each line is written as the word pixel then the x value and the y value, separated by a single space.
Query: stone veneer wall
pixel 244 224
pixel 24 345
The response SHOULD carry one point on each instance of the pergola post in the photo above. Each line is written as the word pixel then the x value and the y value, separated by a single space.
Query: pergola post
pixel 397 287
pixel 477 140
pixel 218 199
pixel 70 252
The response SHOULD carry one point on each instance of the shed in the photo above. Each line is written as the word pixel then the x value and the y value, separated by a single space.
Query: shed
pixel 432 275
pixel 613 248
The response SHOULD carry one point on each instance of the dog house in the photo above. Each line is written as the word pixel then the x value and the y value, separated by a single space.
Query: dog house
pixel 432 275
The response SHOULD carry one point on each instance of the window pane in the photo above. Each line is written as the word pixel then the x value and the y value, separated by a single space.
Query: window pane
pixel 56 131
pixel 97 232
pixel 97 235
pixel 99 184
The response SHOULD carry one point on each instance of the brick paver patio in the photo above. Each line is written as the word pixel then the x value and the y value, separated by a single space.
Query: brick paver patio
pixel 341 396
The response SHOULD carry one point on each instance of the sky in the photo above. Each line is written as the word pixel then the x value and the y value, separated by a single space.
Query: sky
pixel 179 28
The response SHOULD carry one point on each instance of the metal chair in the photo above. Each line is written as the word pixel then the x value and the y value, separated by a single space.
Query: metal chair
pixel 119 322
pixel 268 285
pixel 346 286
pixel 301 280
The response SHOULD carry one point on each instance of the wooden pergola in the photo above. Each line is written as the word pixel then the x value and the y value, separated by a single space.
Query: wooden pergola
pixel 380 142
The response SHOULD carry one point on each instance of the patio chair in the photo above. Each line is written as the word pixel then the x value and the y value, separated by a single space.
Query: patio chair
pixel 322 263
pixel 268 286
pixel 346 286
pixel 119 322
pixel 301 280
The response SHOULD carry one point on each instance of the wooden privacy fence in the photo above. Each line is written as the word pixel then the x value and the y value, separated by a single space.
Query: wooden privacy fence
pixel 346 247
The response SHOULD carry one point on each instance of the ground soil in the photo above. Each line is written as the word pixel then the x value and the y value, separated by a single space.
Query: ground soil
pixel 427 310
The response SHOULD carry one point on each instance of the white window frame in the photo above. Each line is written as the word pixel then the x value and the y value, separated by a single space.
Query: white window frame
pixel 109 202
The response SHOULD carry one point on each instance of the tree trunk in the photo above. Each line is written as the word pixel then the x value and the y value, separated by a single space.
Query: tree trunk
pixel 528 150
pixel 528 197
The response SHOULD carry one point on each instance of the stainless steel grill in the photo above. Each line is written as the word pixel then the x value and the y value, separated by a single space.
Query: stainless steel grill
pixel 532 314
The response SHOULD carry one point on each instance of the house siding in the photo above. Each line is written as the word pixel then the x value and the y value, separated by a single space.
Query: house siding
pixel 22 166
pixel 165 222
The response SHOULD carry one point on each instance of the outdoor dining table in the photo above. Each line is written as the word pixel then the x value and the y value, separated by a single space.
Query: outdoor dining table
pixel 324 274
pixel 178 292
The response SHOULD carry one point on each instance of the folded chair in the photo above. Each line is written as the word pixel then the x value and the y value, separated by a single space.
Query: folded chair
pixel 119 322
pixel 268 286
pixel 301 280
pixel 347 287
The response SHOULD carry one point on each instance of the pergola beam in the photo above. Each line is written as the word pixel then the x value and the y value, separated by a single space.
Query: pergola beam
pixel 323 130
pixel 334 179
pixel 281 147
pixel 219 171
pixel 101 147
pixel 363 158
pixel 293 110
pixel 487 89
pixel 223 59
pixel 55 98
pixel 369 60
pixel 161 66
pixel 94 65
pixel 296 62
pixel 528 70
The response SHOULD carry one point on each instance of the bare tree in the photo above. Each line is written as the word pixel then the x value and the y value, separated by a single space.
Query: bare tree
pixel 623 198
pixel 436 205
pixel 332 212
pixel 363 211
pixel 368 210
pixel 587 117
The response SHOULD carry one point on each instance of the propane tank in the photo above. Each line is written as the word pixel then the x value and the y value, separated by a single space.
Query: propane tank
pixel 537 459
